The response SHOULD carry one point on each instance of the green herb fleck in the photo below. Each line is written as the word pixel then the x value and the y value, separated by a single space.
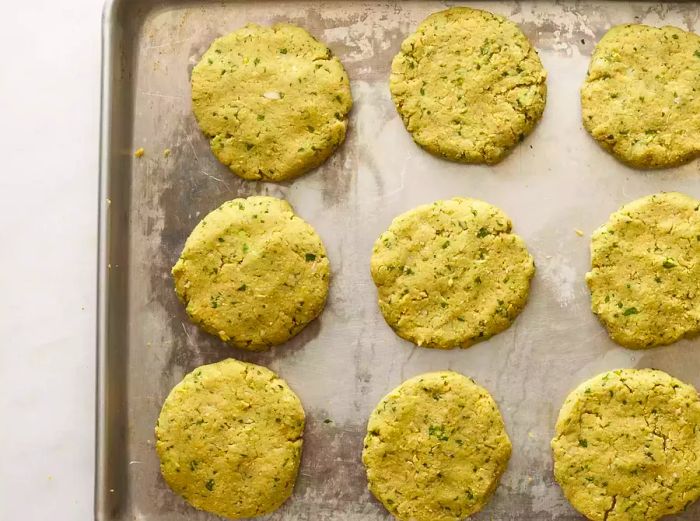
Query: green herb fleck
pixel 256 61
pixel 445 244
pixel 310 128
pixel 283 51
pixel 483 232
pixel 242 287
pixel 583 443
pixel 327 420
pixel 246 248
pixel 669 263
pixel 260 117
pixel 310 257
pixel 248 146
pixel 438 431
pixel 630 311
pixel 210 485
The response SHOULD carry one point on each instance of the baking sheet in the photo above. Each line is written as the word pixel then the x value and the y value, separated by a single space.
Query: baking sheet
pixel 557 181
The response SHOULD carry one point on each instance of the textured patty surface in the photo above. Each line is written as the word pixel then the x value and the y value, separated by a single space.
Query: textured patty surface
pixel 451 273
pixel 273 101
pixel 641 98
pixel 468 85
pixel 627 445
pixel 435 448
pixel 253 273
pixel 229 438
pixel 645 271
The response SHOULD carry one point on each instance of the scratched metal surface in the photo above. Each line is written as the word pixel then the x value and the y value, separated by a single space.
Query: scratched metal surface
pixel 556 181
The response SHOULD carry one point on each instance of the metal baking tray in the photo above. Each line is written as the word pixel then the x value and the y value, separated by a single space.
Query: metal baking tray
pixel 558 180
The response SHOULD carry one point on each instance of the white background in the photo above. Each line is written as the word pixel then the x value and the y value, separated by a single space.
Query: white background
pixel 49 122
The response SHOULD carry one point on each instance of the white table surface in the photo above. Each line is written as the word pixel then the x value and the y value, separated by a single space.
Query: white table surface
pixel 49 123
